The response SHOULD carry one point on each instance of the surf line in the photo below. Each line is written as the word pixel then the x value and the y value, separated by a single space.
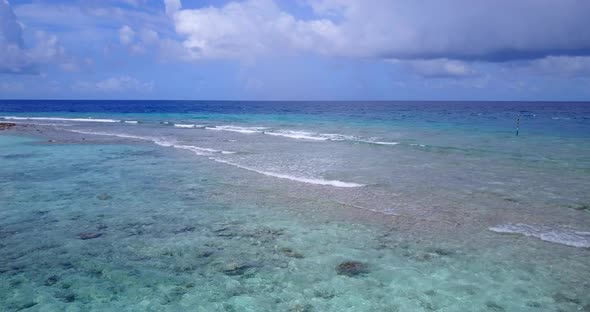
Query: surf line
pixel 201 151
pixel 335 183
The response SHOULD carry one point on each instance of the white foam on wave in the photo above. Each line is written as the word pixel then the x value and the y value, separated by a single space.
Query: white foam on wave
pixel 381 142
pixel 188 126
pixel 61 119
pixel 46 124
pixel 247 130
pixel 201 151
pixel 297 135
pixel 120 135
pixel 306 135
pixel 131 121
pixel 316 181
pixel 564 236
pixel 338 137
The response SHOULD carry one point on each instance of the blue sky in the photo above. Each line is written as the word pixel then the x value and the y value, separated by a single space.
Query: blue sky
pixel 295 50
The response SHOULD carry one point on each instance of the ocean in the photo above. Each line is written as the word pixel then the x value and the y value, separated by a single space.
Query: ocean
pixel 294 206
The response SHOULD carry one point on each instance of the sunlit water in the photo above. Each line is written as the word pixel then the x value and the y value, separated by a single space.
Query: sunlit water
pixel 182 206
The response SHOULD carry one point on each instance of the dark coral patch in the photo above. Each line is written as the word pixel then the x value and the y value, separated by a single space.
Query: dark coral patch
pixel 104 197
pixel 351 268
pixel 6 125
pixel 89 235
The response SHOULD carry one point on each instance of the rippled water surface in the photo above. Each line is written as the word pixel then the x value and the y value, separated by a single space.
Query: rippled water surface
pixel 244 206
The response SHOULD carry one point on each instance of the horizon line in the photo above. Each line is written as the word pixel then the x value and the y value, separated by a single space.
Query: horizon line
pixel 303 101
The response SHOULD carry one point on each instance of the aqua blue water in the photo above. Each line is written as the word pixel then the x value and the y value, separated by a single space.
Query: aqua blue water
pixel 251 206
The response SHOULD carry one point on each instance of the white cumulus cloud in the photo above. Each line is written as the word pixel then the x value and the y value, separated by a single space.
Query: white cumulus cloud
pixel 126 34
pixel 248 28
pixel 12 55
pixel 15 57
pixel 438 68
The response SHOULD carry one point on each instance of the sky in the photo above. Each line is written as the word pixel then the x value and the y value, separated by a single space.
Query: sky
pixel 295 49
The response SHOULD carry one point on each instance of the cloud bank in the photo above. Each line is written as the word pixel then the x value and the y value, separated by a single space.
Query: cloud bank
pixel 329 48
pixel 483 30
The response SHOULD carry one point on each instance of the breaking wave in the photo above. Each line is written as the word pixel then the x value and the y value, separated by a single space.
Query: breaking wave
pixel 202 151
pixel 316 181
pixel 298 134
pixel 564 236
pixel 89 119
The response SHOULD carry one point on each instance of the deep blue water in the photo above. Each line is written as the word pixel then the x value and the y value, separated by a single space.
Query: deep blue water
pixel 549 118
pixel 354 108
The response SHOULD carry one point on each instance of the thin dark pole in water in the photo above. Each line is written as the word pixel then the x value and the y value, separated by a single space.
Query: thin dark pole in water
pixel 517 123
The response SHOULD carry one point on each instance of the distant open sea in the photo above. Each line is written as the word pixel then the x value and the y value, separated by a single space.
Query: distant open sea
pixel 294 206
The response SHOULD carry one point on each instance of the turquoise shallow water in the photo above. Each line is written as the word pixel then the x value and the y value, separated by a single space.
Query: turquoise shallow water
pixel 227 216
